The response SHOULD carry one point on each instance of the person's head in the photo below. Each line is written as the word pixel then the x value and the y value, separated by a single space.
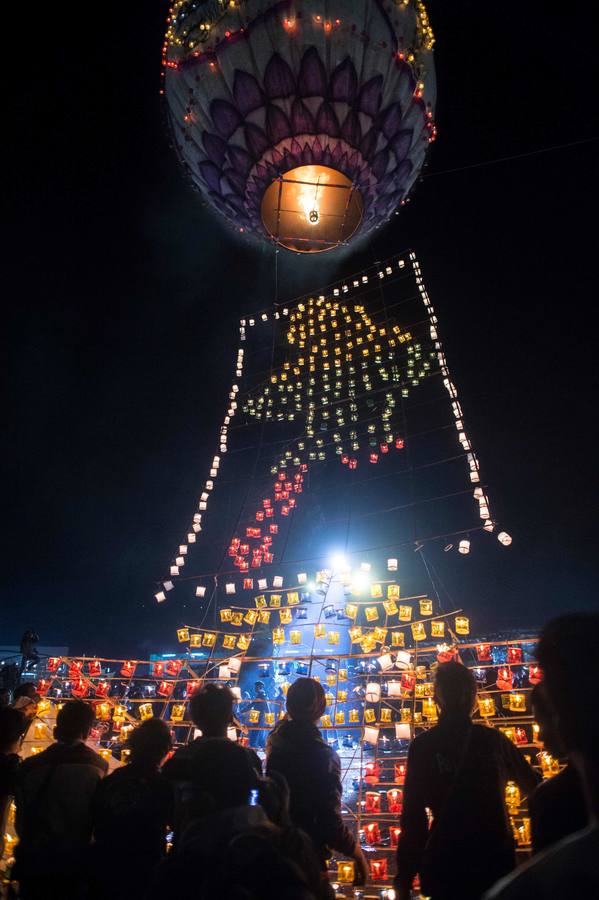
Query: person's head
pixel 568 653
pixel 455 689
pixel 12 725
pixel 222 774
pixel 211 709
pixel 258 686
pixel 74 722
pixel 27 689
pixel 149 743
pixel 25 699
pixel 544 719
pixel 306 700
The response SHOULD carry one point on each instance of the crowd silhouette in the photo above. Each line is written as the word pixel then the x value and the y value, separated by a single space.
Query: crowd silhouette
pixel 208 822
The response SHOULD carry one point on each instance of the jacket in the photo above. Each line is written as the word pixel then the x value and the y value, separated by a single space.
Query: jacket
pixel 312 770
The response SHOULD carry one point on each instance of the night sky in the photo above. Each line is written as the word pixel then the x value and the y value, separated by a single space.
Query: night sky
pixel 123 296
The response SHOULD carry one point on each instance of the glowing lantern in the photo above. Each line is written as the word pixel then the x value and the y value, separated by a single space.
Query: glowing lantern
pixel 549 765
pixel 514 654
pixel 351 610
pixel 523 833
pixel 319 631
pixel 182 635
pixel 79 688
pixel 505 678
pixel 371 613
pixel 339 717
pixel 372 833
pixel 397 639
pixel 165 688
pixel 372 802
pixel 354 716
pixel 400 770
pixel 102 689
pixel 535 675
pixel 173 667
pixel 429 709
pixel 285 616
pixel 94 668
pixel 251 617
pixel 264 616
pixel 418 631
pixel 486 707
pixel 345 871
pixel 191 687
pixel 177 712
pixel 517 702
pixel 483 652
pixel 394 834
pixel 394 801
pixel 43 686
pixel 195 640
pixel 405 613
pixel 373 692
pixel 437 629
pixel 243 641
pixel 53 663
pixel 426 607
pixel 520 736
pixel 157 669
pixel 254 716
pixel 462 625
pixel 278 635
pixel 512 798
pixel 295 636
pixel 145 711
pixel 75 667
pixel 378 869
pixel 376 591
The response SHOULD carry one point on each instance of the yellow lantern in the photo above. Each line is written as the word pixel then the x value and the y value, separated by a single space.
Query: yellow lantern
pixel 195 639
pixel 398 639
pixel 426 607
pixel 244 641
pixel 285 616
pixel 102 713
pixel 106 754
pixel 285 687
pixel 509 733
pixel 345 871
pixel 429 688
pixel 341 696
pixel 269 718
pixel 523 833
pixel 209 639
pixel 390 607
pixel 376 591
pixel 120 713
pixel 486 707
pixel 278 635
pixel 251 617
pixel 405 613
pixel 182 635
pixel 355 634
pixel 225 615
pixel 275 601
pixel 437 629
pixel 372 613
pixel 379 634
pixel 406 714
pixel 326 721
pixel 333 637
pixel 369 715
pixel 339 717
pixel 236 617
pixel 177 712
pixel 319 631
pixel 368 643
pixel 429 709
pixel 145 711
pixel 331 679
pixel 342 674
pixel 354 715
pixel 512 797
pixel 329 699
pixel 518 702
pixel 351 610
pixel 229 642
pixel 417 718
pixel 264 616
pixel 386 714
pixel 293 598
pixel 254 716
pixel 462 625
pixel 260 601
pixel 549 765
pixel 420 672
pixel 393 592
pixel 418 631
pixel 419 691
pixel 295 636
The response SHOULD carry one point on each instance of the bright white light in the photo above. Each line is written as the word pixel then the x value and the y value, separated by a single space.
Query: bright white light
pixel 360 581
pixel 339 562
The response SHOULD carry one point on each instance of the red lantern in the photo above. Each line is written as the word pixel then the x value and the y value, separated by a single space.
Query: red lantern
pixel 268 557
pixel 394 801
pixel 372 833
pixel 259 515
pixel 274 529
pixel 94 668
pixel 384 448
pixel 304 467
pixel 483 652
pixel 374 458
pixel 75 667
pixel 372 771
pixel 372 800
pixel 535 674
pixel 394 833
pixel 400 769
pixel 297 477
pixel 165 688
pixel 102 689
pixel 270 513
pixel 353 463
pixel 244 566
pixel 191 687
pixel 248 584
pixel 244 549
pixel 281 476
pixel 43 686
pixel 288 486
pixel 399 443
pixel 79 689
pixel 128 669
pixel 345 459
pixel 514 654
pixel 505 678
pixel 157 669
pixel 173 667
pixel 284 510
pixel 53 663
pixel 408 681
pixel 256 561
pixel 446 654
pixel 378 869
pixel 520 735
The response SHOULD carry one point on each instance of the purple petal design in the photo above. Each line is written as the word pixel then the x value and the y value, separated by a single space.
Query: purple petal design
pixel 317 150
pixel 240 159
pixel 326 120
pixel 255 139
pixel 344 82
pixel 301 118
pixel 246 92
pixel 210 174
pixel 278 78
pixel 401 143
pixel 237 180
pixel 370 96
pixel 277 124
pixel 215 147
pixel 390 120
pixel 380 163
pixel 225 117
pixel 327 156
pixel 307 156
pixel 403 172
pixel 351 130
pixel 312 81
pixel 337 154
pixel 354 160
pixel 368 144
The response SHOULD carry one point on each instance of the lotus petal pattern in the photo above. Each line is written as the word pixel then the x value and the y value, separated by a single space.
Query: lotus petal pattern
pixel 258 88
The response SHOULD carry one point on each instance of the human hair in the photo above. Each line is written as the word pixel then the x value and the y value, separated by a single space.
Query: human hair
pixel 455 688
pixel 73 721
pixel 25 689
pixel 12 726
pixel 211 708
pixel 568 653
pixel 306 700
pixel 150 742
pixel 221 769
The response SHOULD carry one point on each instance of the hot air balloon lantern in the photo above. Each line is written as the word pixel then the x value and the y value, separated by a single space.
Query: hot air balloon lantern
pixel 303 129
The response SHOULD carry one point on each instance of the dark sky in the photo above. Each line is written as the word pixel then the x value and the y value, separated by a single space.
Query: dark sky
pixel 122 297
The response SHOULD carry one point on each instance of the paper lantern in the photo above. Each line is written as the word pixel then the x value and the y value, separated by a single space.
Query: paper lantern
pixel 376 591
pixel 372 833
pixel 339 717
pixel 378 869
pixel 403 731
pixel 295 636
pixel 165 688
pixel 285 616
pixel 254 716
pixel 102 689
pixel 514 655
pixel 535 675
pixel 319 631
pixel 177 712
pixel 371 613
pixel 483 652
pixel 43 686
pixel 486 707
pixel 418 631
pixel 182 635
pixel 345 871
pixel 53 663
pixel 264 616
pixel 209 639
pixel 354 716
pixel 517 702
pixel 373 692
pixel 394 800
pixel 351 611
pixel 195 640
pixel 244 641
pixel 173 667
pixel 200 591
pixel 275 601
pixel 392 564
pixel 504 538
pixel 520 736
pixel 464 546
pixel 372 802
pixel 505 678
pixel 437 629
pixel 94 668
pixel 397 639
pixel 278 635
pixel 146 711
pixel 394 834
pixel 79 688
pixel 462 625
pixel 426 607
pixel 236 618
pixel 393 592
pixel 399 772
pixel 405 613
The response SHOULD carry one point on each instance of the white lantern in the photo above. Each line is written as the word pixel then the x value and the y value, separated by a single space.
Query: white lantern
pixel 373 692
pixel 371 735
pixel 262 584
pixel 200 591
pixel 392 565
pixel 488 526
pixel 223 672
pixel 504 538
pixel 232 733
pixel 277 581
pixel 203 505
pixel 168 585
pixel 160 596
pixel 191 538
pixel 182 549
pixel 385 661
pixel 180 561
pixel 402 659
pixel 403 732
pixel 230 588
pixel 234 665
pixel 196 527
pixel 464 546
pixel 174 570
pixel 302 578
pixel 394 689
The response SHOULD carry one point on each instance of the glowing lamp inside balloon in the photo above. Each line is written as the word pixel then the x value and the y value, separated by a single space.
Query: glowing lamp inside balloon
pixel 311 209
